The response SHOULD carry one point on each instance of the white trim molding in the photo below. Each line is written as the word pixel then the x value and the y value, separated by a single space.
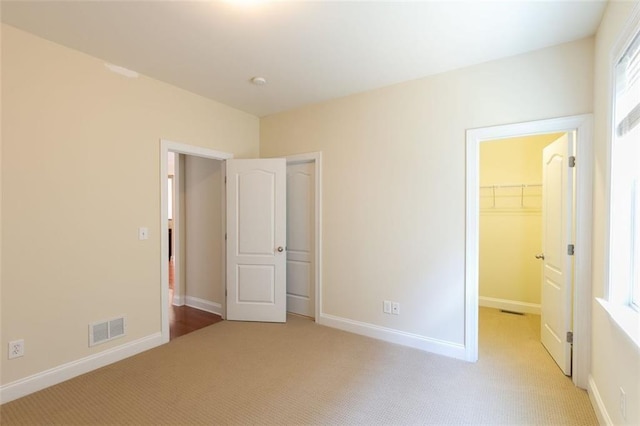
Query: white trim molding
pixel 167 146
pixel 598 404
pixel 59 374
pixel 440 347
pixel 204 305
pixel 428 344
pixel 582 125
pixel 510 305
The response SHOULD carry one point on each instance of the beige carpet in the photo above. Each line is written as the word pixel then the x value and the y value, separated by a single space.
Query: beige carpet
pixel 303 373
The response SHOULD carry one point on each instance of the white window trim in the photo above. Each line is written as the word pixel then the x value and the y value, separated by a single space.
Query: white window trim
pixel 622 314
pixel 625 317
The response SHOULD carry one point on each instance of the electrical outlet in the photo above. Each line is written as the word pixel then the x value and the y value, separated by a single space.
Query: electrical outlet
pixel 623 403
pixel 143 233
pixel 16 349
pixel 395 308
pixel 386 307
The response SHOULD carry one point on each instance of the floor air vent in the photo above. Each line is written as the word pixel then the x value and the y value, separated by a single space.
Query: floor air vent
pixel 504 311
pixel 103 331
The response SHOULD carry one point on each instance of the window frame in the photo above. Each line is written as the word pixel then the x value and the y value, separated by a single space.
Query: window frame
pixel 624 290
pixel 617 295
pixel 635 244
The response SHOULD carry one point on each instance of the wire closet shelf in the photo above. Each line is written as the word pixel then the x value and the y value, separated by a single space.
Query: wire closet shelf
pixel 513 190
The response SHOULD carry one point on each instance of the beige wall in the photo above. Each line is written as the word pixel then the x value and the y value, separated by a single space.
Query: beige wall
pixel 204 232
pixel 615 362
pixel 394 179
pixel 81 172
pixel 511 227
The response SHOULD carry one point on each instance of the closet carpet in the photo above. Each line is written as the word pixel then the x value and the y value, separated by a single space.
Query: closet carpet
pixel 303 373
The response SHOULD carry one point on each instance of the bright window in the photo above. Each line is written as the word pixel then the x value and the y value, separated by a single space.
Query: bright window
pixel 624 254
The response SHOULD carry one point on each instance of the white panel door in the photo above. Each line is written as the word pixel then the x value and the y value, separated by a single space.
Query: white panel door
pixel 301 238
pixel 256 237
pixel 557 227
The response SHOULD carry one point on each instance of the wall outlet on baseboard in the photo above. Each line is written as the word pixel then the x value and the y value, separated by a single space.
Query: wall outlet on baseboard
pixel 16 349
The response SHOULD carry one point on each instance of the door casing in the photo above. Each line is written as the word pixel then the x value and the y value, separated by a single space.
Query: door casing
pixel 583 125
pixel 167 146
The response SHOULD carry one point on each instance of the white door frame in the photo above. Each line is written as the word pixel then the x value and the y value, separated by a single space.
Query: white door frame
pixel 179 148
pixel 583 125
pixel 316 158
pixel 178 178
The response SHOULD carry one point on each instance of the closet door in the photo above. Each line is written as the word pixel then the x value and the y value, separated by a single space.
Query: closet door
pixel 557 230
pixel 301 238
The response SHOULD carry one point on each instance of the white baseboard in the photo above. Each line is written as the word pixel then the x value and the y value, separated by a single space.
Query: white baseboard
pixel 598 404
pixel 510 305
pixel 440 347
pixel 59 374
pixel 178 300
pixel 203 305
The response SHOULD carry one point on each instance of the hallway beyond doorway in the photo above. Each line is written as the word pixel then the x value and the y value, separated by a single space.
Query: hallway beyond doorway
pixel 185 319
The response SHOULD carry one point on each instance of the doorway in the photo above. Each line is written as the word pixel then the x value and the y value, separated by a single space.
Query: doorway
pixel 169 146
pixel 581 125
pixel 196 242
pixel 516 196
pixel 303 234
pixel 178 242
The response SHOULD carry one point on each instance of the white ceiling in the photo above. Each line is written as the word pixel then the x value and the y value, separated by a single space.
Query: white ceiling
pixel 308 51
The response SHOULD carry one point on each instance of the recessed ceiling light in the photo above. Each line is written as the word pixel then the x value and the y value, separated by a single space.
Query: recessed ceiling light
pixel 259 81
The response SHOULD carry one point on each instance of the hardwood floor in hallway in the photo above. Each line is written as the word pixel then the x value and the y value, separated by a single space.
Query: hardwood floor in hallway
pixel 185 319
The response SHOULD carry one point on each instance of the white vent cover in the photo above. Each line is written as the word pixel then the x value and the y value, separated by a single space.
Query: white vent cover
pixel 103 331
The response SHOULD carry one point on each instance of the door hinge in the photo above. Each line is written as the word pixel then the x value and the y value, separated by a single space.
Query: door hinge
pixel 225 179
pixel 225 292
pixel 571 249
pixel 572 161
pixel 225 236
pixel 569 336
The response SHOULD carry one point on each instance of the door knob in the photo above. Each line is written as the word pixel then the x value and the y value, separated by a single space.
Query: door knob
pixel 540 256
pixel 280 249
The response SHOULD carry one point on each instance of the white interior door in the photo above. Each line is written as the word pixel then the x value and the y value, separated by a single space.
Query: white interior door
pixel 256 237
pixel 300 238
pixel 557 231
